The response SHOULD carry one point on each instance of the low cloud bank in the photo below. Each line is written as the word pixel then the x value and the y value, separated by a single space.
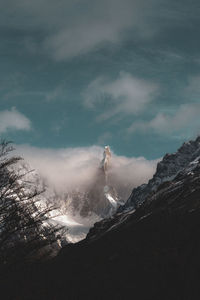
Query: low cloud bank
pixel 70 168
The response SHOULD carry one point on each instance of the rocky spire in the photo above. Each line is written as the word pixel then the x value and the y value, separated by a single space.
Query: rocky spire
pixel 106 161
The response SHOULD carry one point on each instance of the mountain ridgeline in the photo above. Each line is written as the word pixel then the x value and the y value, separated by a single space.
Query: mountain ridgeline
pixel 148 249
pixel 167 169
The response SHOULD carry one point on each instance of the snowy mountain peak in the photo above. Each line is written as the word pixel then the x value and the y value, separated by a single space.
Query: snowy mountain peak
pixel 106 159
pixel 105 163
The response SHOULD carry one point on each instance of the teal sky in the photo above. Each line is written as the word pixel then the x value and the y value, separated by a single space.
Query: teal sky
pixel 86 72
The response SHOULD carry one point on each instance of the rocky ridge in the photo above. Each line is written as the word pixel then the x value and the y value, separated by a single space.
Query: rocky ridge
pixel 172 175
pixel 167 169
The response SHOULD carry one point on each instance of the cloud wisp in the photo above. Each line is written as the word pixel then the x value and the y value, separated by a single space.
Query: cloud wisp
pixel 126 94
pixel 76 27
pixel 186 117
pixel 13 120
pixel 91 25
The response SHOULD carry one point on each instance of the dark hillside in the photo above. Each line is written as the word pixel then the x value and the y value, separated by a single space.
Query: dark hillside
pixel 153 254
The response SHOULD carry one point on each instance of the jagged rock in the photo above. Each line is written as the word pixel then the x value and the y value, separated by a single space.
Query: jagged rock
pixel 167 169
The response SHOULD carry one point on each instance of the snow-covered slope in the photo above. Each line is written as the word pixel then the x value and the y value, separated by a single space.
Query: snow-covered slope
pixel 167 169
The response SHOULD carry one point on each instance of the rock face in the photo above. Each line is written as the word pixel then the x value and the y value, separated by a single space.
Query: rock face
pixel 167 169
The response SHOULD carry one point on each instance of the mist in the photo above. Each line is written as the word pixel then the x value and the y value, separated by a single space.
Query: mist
pixel 66 169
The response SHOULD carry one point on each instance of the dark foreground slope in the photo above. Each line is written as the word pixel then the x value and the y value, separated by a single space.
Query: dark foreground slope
pixel 153 254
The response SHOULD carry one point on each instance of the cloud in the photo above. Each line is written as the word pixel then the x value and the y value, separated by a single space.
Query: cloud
pixel 69 168
pixel 13 120
pixel 184 119
pixel 91 25
pixel 126 94
pixel 74 27
pixel 127 173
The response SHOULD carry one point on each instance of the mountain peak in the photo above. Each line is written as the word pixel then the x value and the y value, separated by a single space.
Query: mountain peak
pixel 106 158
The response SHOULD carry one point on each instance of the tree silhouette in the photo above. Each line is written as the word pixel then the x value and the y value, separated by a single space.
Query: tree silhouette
pixel 24 224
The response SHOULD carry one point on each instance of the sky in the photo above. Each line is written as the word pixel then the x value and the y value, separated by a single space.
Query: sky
pixel 85 73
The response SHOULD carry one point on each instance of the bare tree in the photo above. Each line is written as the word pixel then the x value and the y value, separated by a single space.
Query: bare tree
pixel 24 227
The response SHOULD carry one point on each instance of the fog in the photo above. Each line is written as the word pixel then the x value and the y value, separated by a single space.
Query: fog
pixel 71 168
